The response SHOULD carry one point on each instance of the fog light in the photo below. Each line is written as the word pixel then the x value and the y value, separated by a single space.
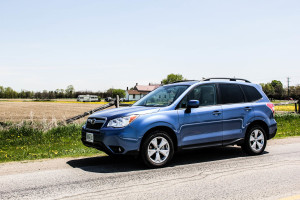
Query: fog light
pixel 117 149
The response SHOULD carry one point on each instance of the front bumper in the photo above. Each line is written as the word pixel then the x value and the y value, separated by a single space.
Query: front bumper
pixel 113 141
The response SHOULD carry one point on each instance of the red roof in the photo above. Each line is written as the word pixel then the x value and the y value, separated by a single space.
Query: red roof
pixel 146 88
pixel 136 92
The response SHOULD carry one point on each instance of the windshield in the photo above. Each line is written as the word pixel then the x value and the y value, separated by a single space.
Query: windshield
pixel 162 96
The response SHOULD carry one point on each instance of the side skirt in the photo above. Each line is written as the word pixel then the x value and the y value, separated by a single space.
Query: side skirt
pixel 213 144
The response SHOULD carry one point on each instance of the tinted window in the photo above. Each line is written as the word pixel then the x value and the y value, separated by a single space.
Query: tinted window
pixel 231 93
pixel 251 93
pixel 206 94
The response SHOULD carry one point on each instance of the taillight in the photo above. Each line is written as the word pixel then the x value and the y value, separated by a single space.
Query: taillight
pixel 271 106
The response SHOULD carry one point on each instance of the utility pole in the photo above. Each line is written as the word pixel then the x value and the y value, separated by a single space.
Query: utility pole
pixel 288 83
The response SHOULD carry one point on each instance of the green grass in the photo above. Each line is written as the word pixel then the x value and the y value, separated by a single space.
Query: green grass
pixel 288 125
pixel 29 142
pixel 32 140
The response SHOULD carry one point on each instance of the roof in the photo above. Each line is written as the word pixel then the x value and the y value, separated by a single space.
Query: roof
pixel 136 92
pixel 146 88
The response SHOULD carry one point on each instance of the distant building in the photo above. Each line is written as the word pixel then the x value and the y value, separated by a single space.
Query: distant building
pixel 87 98
pixel 139 91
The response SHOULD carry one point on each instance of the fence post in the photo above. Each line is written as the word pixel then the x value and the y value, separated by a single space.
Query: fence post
pixel 299 106
pixel 117 101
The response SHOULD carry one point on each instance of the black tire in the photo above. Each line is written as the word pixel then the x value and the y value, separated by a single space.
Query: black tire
pixel 147 144
pixel 249 146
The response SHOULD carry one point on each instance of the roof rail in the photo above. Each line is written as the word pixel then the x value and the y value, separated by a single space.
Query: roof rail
pixel 184 81
pixel 230 79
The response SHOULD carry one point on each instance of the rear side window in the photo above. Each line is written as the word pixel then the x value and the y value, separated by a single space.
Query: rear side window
pixel 231 93
pixel 251 93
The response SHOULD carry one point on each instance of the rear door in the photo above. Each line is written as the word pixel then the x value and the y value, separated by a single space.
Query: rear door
pixel 202 125
pixel 236 111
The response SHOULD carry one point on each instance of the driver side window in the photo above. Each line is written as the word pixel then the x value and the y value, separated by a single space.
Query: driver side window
pixel 205 94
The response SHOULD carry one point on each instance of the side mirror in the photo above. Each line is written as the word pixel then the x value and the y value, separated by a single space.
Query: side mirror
pixel 192 104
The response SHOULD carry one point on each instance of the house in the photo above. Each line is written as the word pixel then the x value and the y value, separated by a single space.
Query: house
pixel 139 91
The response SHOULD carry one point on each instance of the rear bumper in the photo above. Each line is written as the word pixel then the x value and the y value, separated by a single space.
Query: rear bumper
pixel 272 131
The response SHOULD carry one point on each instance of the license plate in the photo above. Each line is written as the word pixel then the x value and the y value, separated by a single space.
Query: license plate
pixel 89 137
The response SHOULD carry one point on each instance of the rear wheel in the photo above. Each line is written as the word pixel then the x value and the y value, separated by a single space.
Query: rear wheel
pixel 157 149
pixel 255 141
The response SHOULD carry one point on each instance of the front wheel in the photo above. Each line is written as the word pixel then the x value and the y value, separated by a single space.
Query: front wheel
pixel 157 149
pixel 255 141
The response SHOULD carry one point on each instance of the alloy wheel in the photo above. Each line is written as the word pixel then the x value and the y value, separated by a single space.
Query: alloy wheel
pixel 158 150
pixel 256 140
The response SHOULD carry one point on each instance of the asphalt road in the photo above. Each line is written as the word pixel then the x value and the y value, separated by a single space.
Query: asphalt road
pixel 216 173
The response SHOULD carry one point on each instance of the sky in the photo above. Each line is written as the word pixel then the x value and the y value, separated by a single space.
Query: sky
pixel 101 44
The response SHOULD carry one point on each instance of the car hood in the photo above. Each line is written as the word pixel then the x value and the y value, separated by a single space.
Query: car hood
pixel 125 111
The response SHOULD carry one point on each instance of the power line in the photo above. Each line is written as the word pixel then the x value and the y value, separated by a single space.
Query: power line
pixel 288 83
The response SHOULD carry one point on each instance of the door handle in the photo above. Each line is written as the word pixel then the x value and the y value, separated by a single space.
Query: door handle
pixel 216 113
pixel 248 108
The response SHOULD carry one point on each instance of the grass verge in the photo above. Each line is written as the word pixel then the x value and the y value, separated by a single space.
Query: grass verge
pixel 288 125
pixel 32 140
pixel 27 141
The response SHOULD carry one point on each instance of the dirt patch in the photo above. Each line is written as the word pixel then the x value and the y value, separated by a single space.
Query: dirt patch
pixel 42 111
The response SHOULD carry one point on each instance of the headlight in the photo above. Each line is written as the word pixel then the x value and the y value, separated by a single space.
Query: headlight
pixel 122 121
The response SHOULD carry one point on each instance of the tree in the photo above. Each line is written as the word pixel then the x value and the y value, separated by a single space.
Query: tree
pixel 278 88
pixel 274 89
pixel 1 91
pixel 45 94
pixel 51 95
pixel 59 93
pixel 70 91
pixel 38 95
pixel 268 89
pixel 115 92
pixel 295 92
pixel 171 78
pixel 10 93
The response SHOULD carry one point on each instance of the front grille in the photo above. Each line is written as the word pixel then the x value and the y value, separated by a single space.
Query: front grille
pixel 95 123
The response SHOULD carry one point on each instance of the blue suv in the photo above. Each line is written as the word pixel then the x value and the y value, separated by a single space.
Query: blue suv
pixel 185 115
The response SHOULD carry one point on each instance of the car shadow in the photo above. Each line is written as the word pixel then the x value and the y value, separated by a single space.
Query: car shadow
pixel 106 164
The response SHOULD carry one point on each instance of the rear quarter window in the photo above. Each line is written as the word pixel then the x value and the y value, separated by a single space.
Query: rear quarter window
pixel 251 93
pixel 231 93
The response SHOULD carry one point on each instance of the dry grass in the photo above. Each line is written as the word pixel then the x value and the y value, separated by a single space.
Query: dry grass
pixel 22 100
pixel 42 111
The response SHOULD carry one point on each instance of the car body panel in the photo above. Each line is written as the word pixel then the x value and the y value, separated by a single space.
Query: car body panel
pixel 235 119
pixel 201 125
